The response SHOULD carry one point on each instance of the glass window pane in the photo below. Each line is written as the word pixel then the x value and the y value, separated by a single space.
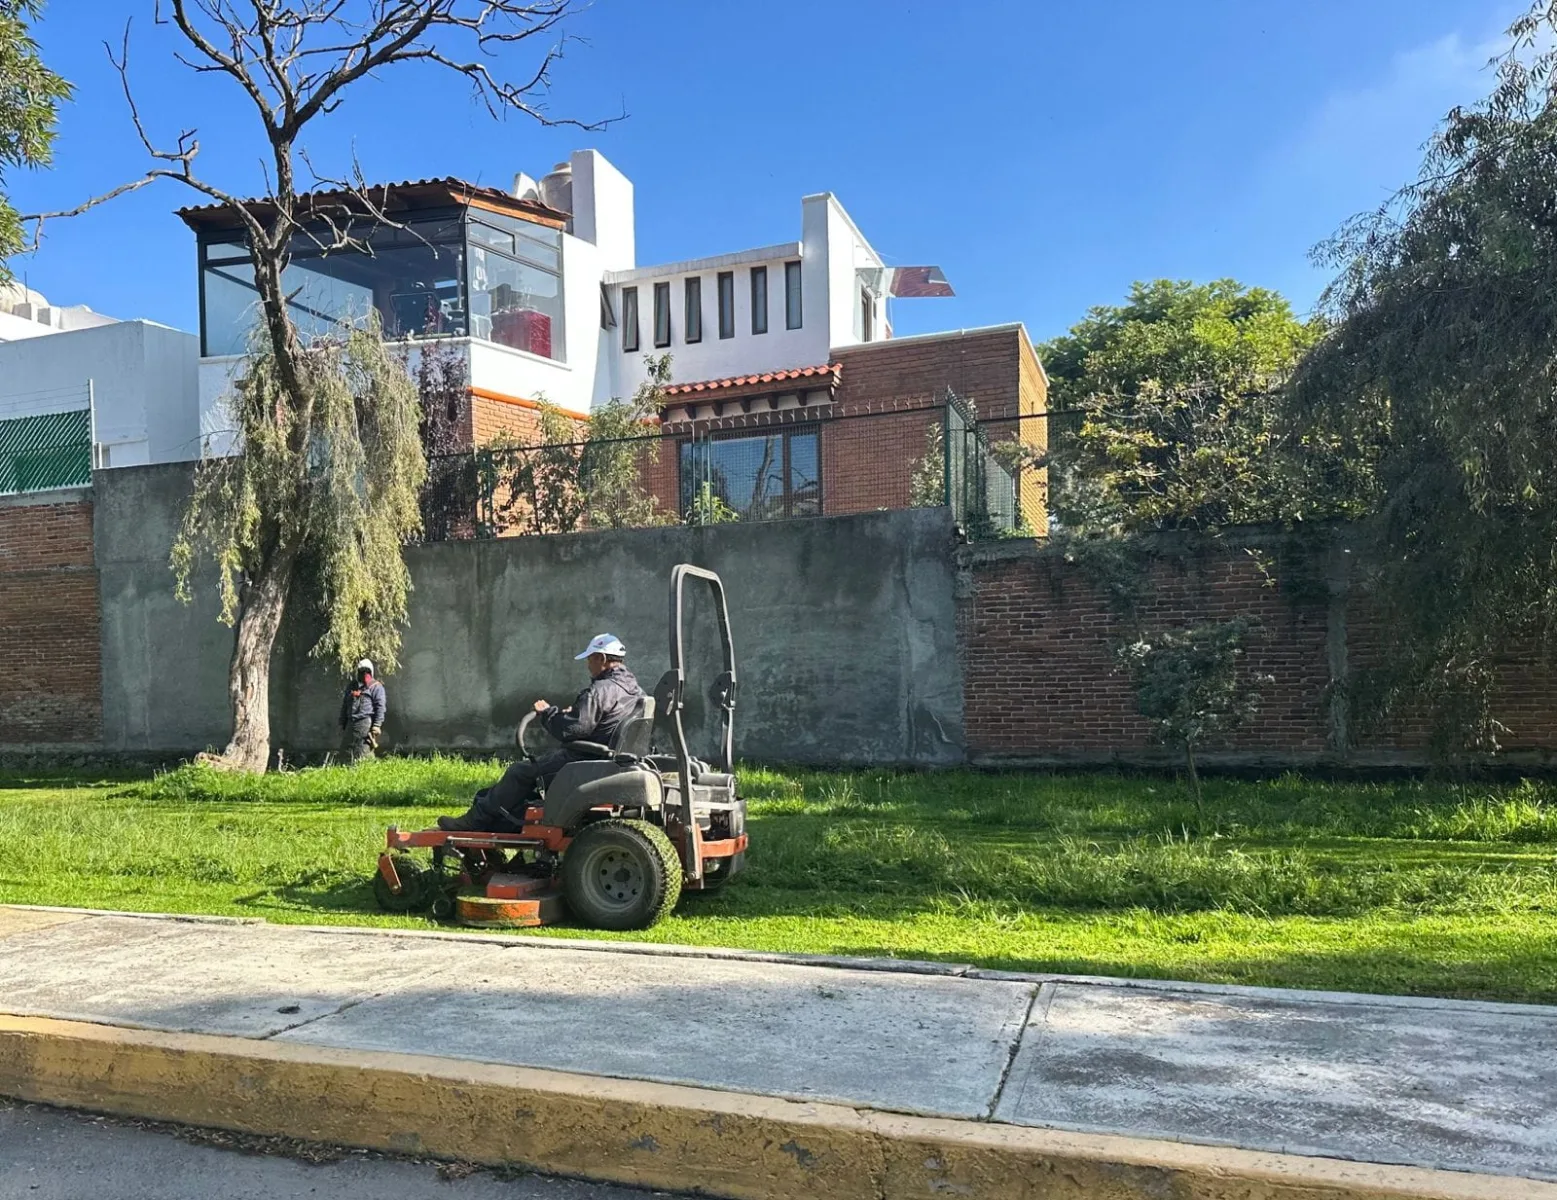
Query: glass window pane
pixel 417 290
pixel 497 239
pixel 630 319
pixel 759 299
pixel 805 475
pixel 726 304
pixel 792 312
pixel 662 314
pixel 762 478
pixel 694 468
pixel 694 316
pixel 230 309
pixel 217 251
pixel 515 304
pixel 541 244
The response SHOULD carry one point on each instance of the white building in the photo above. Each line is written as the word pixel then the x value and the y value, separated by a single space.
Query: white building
pixel 541 290
pixel 79 389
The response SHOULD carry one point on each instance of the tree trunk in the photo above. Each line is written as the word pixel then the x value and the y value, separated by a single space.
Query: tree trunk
pixel 1194 782
pixel 248 677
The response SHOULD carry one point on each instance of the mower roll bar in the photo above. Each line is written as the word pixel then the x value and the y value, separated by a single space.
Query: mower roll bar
pixel 724 696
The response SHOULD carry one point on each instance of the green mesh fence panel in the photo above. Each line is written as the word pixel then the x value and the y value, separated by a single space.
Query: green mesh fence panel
pixel 52 450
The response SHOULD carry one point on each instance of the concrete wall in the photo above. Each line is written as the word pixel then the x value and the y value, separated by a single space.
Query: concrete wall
pixel 845 634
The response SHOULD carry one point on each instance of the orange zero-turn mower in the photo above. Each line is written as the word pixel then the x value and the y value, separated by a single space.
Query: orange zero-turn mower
pixel 615 838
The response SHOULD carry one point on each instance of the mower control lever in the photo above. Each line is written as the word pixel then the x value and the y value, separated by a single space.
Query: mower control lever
pixel 523 728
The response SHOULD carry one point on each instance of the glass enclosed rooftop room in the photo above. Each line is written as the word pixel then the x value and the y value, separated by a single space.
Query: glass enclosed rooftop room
pixel 459 261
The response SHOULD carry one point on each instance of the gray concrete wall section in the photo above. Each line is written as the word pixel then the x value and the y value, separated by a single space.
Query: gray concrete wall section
pixel 164 662
pixel 845 632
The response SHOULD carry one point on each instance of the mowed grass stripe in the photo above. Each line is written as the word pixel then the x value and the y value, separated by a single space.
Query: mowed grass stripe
pixel 1406 887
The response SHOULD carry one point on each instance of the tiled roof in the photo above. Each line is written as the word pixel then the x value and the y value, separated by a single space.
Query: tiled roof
pixel 405 194
pixel 744 381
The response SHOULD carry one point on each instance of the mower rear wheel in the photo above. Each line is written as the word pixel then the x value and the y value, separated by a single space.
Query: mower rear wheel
pixel 415 889
pixel 621 875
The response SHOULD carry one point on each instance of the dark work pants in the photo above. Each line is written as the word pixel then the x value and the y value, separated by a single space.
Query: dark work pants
pixel 358 739
pixel 511 794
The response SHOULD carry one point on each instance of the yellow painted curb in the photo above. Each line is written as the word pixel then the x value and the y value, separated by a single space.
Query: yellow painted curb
pixel 654 1135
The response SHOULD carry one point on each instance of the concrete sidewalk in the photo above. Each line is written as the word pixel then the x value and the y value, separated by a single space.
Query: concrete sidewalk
pixel 1437 1084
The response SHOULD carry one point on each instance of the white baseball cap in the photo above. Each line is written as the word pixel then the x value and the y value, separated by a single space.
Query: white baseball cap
pixel 365 664
pixel 607 643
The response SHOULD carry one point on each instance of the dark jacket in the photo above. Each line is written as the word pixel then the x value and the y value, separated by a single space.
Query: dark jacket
pixel 364 701
pixel 599 711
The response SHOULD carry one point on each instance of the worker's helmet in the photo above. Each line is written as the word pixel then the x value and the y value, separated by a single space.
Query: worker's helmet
pixel 365 664
pixel 607 643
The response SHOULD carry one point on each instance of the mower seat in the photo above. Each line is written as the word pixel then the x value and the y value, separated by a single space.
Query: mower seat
pixel 616 776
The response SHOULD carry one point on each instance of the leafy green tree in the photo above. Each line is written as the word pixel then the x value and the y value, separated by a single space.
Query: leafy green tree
pixel 1187 684
pixel 1174 410
pixel 709 508
pixel 30 96
pixel 927 484
pixel 1444 349
pixel 612 461
pixel 586 474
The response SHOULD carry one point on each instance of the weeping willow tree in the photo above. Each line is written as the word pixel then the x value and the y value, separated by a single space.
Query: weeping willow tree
pixel 1443 358
pixel 329 463
pixel 328 491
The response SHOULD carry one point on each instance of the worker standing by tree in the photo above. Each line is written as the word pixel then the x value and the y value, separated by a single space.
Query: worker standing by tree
pixel 362 713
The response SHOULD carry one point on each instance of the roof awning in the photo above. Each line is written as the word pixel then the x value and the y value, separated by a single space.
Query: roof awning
pixel 918 282
pixel 392 198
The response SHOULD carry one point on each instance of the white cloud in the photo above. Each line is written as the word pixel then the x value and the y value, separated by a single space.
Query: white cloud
pixel 1362 143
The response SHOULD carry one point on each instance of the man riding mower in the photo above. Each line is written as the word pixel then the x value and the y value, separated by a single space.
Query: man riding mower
pixel 597 717
pixel 613 826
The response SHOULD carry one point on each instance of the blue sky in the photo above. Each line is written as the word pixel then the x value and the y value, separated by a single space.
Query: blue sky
pixel 1045 154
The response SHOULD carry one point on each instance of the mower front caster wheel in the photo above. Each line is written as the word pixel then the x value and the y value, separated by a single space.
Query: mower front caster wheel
pixel 415 888
pixel 621 875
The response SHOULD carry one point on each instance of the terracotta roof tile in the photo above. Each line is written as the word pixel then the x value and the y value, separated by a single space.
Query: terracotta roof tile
pixel 408 193
pixel 735 381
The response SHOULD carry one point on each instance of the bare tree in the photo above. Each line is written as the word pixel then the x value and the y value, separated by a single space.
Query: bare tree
pixel 296 61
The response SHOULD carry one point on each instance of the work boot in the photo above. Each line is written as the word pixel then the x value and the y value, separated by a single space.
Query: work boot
pixel 470 822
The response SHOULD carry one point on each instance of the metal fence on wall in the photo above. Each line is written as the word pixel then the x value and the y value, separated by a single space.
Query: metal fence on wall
pixel 731 471
pixel 980 489
pixel 46 439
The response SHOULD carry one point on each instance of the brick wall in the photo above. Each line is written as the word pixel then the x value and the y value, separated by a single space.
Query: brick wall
pixel 1040 684
pixel 492 419
pixel 984 367
pixel 869 463
pixel 50 654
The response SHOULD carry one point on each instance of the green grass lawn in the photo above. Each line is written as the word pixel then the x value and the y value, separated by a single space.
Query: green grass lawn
pixel 1409 887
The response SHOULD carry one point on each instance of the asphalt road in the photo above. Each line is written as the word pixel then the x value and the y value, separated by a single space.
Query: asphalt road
pixel 46 1154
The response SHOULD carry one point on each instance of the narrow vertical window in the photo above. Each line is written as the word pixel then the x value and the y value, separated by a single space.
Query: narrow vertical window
pixel 694 317
pixel 759 299
pixel 792 313
pixel 727 304
pixel 629 319
pixel 867 315
pixel 662 314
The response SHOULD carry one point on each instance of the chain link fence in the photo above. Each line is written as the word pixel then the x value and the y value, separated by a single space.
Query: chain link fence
pixel 807 464
pixel 981 490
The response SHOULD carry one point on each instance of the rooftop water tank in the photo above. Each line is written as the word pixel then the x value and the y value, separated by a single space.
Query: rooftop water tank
pixel 557 188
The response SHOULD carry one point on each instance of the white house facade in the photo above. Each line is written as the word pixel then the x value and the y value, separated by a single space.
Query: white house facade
pixel 79 389
pixel 539 288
